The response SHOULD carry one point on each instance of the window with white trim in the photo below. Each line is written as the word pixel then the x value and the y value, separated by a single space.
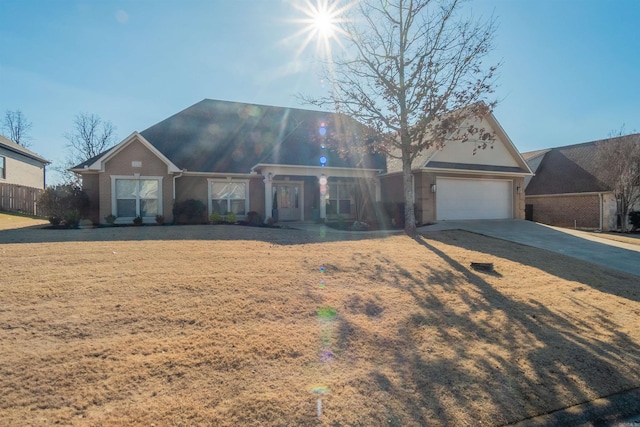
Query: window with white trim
pixel 339 201
pixel 137 197
pixel 3 167
pixel 229 196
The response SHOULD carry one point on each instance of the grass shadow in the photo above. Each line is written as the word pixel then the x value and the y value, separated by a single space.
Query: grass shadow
pixel 282 236
pixel 563 266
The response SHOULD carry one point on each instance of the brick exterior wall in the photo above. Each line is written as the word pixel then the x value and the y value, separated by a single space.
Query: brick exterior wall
pixel 563 210
pixel 391 187
pixel 121 164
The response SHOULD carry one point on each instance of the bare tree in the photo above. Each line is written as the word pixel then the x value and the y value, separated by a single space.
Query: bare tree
pixel 17 127
pixel 413 72
pixel 90 136
pixel 619 157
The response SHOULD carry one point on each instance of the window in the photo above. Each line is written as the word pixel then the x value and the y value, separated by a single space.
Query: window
pixel 339 198
pixel 3 168
pixel 135 197
pixel 229 196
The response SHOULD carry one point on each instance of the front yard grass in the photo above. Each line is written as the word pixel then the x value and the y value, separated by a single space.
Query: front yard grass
pixel 234 329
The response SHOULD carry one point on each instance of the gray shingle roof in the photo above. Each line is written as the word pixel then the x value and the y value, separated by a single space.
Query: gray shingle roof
pixel 232 137
pixel 573 169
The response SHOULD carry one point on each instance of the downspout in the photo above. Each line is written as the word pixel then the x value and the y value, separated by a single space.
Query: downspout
pixel 174 184
pixel 600 200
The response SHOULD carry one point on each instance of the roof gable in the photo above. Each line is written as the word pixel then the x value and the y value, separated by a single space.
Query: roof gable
pixel 97 163
pixel 500 156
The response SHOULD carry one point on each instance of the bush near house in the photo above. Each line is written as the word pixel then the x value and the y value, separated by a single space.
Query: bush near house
pixel 634 219
pixel 190 211
pixel 64 204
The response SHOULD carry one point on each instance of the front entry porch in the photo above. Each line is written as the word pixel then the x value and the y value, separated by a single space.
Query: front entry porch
pixel 296 193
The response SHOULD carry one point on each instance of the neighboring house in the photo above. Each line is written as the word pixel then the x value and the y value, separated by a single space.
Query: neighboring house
pixel 239 157
pixel 569 189
pixel 20 166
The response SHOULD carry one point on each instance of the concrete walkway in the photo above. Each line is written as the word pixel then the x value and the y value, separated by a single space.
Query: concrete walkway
pixel 617 255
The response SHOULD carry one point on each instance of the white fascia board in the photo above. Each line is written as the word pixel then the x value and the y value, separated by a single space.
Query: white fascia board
pixel 300 169
pixel 221 174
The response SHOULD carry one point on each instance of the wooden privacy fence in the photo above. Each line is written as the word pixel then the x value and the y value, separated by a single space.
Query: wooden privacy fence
pixel 18 198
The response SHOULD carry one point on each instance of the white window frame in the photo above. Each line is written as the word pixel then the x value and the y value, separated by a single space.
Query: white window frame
pixel 345 185
pixel 114 201
pixel 228 181
pixel 3 175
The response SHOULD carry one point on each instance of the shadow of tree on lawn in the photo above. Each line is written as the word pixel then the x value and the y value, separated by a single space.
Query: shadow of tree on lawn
pixel 472 355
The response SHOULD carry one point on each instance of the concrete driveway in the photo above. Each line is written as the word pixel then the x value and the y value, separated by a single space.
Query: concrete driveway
pixel 620 256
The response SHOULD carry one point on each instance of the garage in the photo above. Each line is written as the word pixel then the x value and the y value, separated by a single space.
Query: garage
pixel 458 198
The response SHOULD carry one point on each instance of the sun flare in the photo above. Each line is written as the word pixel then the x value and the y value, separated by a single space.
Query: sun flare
pixel 322 23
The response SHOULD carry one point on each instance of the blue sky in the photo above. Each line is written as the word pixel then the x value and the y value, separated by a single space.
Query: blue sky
pixel 570 73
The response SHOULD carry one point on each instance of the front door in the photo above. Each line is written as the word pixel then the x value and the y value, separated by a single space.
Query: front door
pixel 288 197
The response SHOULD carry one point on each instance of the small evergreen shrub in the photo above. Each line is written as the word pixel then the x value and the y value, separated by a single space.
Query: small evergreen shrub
pixel 231 218
pixel 215 218
pixel 137 220
pixel 159 219
pixel 72 219
pixel 110 219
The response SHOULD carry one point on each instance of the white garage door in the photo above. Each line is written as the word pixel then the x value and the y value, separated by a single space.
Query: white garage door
pixel 473 199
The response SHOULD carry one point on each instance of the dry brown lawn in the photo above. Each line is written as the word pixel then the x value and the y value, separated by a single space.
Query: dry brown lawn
pixel 229 326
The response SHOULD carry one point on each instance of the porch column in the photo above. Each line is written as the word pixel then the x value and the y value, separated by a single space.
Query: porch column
pixel 376 187
pixel 323 184
pixel 268 197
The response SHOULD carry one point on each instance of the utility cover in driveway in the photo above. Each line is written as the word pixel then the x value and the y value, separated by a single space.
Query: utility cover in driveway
pixel 473 199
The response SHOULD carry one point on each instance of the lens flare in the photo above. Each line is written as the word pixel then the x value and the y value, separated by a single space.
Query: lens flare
pixel 323 22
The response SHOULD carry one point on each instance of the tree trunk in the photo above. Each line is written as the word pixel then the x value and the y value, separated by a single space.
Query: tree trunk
pixel 409 197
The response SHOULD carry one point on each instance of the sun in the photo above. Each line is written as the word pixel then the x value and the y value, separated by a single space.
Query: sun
pixel 322 23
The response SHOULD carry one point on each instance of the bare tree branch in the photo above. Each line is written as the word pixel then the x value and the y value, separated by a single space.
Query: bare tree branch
pixel 17 127
pixel 413 72
pixel 619 160
pixel 90 136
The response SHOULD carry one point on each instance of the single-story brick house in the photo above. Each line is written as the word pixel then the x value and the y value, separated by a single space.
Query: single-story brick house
pixel 569 189
pixel 238 157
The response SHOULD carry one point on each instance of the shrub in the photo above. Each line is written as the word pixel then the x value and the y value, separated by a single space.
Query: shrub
pixel 159 219
pixel 137 220
pixel 215 218
pixel 232 218
pixel 110 219
pixel 72 219
pixel 190 211
pixel 66 201
pixel 55 220
pixel 270 222
pixel 634 219
pixel 254 219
